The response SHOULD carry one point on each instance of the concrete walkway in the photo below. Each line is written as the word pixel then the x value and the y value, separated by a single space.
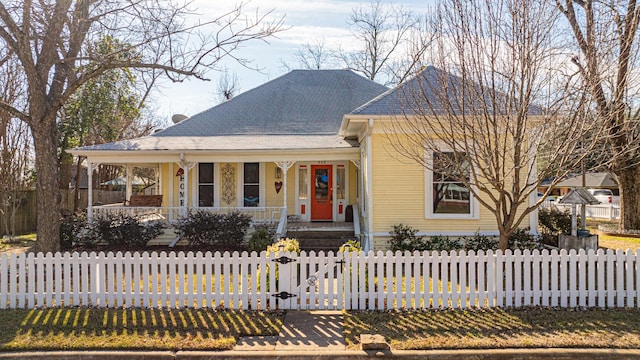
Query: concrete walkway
pixel 301 331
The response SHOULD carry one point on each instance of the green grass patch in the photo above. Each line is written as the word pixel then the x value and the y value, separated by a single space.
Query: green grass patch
pixel 618 242
pixel 19 241
pixel 131 329
pixel 498 328
pixel 613 241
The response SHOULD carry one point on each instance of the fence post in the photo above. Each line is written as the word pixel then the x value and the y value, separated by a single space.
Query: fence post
pixel 611 212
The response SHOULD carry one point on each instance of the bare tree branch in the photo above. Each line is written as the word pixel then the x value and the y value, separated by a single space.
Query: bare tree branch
pixel 493 112
pixel 50 40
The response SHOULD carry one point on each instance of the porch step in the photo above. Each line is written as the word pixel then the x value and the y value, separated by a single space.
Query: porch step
pixel 163 239
pixel 320 240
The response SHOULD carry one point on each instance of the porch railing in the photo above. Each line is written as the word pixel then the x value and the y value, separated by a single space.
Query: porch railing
pixel 260 215
pixel 281 231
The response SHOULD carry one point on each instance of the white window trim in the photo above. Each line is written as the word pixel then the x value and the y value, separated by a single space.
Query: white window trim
pixel 474 206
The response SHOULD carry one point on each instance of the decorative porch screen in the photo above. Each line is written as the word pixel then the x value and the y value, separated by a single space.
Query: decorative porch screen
pixel 251 184
pixel 205 184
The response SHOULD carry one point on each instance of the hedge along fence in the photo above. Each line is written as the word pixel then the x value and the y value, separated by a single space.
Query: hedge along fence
pixel 382 280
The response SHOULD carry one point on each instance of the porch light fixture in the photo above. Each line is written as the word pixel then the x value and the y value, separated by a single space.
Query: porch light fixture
pixel 278 173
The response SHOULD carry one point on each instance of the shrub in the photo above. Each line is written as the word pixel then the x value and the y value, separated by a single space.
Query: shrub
pixel 284 245
pixel 552 223
pixel 521 239
pixel 443 243
pixel 481 242
pixel 350 245
pixel 119 230
pixel 206 228
pixel 71 228
pixel 403 238
pixel 261 238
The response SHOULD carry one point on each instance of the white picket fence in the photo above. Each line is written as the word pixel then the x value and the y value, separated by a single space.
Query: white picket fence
pixel 382 280
pixel 602 211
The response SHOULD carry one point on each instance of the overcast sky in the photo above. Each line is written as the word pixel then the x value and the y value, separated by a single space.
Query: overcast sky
pixel 309 20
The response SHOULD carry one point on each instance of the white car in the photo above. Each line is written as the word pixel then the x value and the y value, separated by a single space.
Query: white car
pixel 605 196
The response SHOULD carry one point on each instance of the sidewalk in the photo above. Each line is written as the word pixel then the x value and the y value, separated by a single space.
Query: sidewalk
pixel 302 331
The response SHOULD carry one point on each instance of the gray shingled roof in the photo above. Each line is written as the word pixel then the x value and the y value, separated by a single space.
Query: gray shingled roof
pixel 300 102
pixel 424 91
pixel 596 180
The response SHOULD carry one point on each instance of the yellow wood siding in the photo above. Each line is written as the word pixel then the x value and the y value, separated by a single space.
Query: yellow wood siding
pixel 273 198
pixel 166 176
pixel 164 180
pixel 398 188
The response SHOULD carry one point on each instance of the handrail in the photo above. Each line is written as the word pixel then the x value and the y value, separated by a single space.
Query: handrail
pixel 356 223
pixel 282 224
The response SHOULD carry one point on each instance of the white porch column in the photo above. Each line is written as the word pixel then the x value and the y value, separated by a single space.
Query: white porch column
pixel 183 191
pixel 90 190
pixel 129 187
pixel 368 192
pixel 284 166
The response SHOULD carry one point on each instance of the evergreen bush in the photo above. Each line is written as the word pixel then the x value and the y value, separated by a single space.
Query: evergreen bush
pixel 215 229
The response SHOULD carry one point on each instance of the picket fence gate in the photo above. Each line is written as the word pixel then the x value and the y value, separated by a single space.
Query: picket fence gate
pixel 374 280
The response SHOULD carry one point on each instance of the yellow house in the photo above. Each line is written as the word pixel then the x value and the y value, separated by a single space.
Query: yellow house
pixel 307 150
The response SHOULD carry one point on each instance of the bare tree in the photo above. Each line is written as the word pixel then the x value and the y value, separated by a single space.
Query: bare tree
pixel 314 55
pixel 605 36
pixel 383 34
pixel 228 85
pixel 478 120
pixel 48 40
pixel 16 153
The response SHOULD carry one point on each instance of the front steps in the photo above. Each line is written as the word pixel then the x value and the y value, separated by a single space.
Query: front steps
pixel 321 238
pixel 312 236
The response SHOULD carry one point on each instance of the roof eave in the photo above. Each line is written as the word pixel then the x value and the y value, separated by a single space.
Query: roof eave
pixel 352 124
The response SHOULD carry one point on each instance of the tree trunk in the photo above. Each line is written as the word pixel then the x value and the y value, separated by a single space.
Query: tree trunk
pixel 504 241
pixel 629 183
pixel 47 184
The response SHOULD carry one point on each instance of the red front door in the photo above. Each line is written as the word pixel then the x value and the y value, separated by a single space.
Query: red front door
pixel 321 193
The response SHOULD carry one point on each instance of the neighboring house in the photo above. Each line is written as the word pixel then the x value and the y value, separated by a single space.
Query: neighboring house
pixel 599 180
pixel 308 146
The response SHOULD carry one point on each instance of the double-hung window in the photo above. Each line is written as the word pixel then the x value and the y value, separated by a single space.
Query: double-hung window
pixel 447 195
pixel 205 184
pixel 251 184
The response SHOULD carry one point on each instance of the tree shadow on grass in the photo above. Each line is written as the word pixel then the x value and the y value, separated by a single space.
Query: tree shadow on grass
pixel 119 329
pixel 499 328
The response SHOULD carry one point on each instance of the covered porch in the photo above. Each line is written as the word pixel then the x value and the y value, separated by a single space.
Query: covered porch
pixel 274 191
